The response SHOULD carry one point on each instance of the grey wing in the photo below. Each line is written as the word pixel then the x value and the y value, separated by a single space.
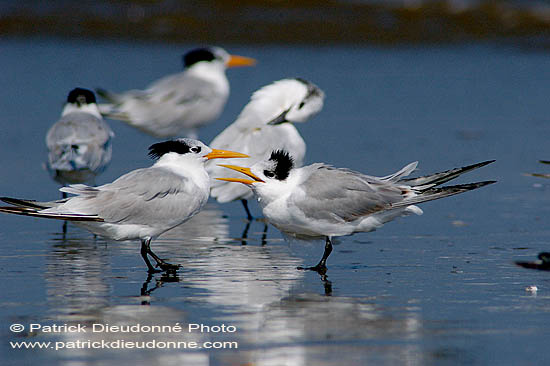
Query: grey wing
pixel 80 141
pixel 144 196
pixel 345 195
pixel 181 89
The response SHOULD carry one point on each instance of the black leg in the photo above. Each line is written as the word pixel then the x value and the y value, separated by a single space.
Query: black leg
pixel 264 234
pixel 144 251
pixel 321 267
pixel 64 195
pixel 244 236
pixel 165 266
pixel 248 215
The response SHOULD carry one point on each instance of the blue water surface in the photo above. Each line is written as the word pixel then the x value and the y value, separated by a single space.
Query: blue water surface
pixel 441 288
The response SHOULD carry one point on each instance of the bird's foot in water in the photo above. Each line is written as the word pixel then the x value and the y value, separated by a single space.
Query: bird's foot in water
pixel 319 268
pixel 168 267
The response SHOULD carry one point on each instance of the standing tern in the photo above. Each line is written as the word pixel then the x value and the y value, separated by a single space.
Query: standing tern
pixel 179 102
pixel 264 125
pixel 79 143
pixel 321 201
pixel 141 204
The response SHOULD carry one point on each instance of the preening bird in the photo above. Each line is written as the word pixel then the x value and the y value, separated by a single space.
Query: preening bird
pixel 179 103
pixel 321 201
pixel 266 124
pixel 141 204
pixel 79 143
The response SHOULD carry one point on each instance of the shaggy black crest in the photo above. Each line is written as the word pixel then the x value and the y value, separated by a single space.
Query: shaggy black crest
pixel 197 55
pixel 312 89
pixel 283 164
pixel 161 148
pixel 81 96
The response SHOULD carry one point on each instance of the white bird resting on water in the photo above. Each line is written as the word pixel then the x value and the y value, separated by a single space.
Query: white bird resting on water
pixel 264 125
pixel 79 143
pixel 180 103
pixel 141 204
pixel 320 201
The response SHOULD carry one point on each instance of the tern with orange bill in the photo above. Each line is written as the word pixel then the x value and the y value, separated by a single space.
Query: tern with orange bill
pixel 321 201
pixel 141 204
pixel 180 103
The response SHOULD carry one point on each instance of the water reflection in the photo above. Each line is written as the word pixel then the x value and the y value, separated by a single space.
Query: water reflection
pixel 79 292
pixel 308 329
pixel 77 271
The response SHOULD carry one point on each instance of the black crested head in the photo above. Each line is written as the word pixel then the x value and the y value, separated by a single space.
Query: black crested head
pixel 197 55
pixel 283 164
pixel 312 89
pixel 165 147
pixel 81 96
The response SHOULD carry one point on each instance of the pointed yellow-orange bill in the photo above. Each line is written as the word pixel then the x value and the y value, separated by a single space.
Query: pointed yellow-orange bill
pixel 224 154
pixel 236 61
pixel 243 170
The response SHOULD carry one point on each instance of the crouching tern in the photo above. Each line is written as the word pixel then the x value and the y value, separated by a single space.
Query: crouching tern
pixel 266 124
pixel 321 201
pixel 79 143
pixel 141 204
pixel 178 103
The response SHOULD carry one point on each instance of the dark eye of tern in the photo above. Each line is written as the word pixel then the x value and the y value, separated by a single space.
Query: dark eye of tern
pixel 301 105
pixel 269 174
pixel 196 149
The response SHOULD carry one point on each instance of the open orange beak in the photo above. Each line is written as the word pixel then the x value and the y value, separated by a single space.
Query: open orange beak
pixel 224 154
pixel 236 61
pixel 243 170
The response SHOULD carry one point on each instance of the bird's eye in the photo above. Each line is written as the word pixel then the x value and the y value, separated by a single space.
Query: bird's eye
pixel 301 105
pixel 269 174
pixel 196 149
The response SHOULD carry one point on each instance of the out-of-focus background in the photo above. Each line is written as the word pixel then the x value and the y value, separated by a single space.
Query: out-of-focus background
pixel 283 21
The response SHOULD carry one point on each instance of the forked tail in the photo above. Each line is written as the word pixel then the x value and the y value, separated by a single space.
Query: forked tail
pixel 34 208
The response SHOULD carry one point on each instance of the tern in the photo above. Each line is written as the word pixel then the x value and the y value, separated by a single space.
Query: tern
pixel 181 102
pixel 321 201
pixel 79 143
pixel 264 125
pixel 141 204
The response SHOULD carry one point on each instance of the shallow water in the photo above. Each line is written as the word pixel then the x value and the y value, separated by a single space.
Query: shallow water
pixel 440 288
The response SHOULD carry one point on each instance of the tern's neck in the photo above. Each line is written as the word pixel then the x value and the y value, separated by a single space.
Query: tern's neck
pixel 278 190
pixel 211 71
pixel 86 108
pixel 186 166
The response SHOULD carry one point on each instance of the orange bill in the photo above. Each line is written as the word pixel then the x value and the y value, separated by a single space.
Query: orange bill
pixel 236 61
pixel 243 170
pixel 224 154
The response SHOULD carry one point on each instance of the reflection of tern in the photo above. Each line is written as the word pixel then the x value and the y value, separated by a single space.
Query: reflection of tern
pixel 79 143
pixel 141 204
pixel 262 127
pixel 319 200
pixel 178 102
